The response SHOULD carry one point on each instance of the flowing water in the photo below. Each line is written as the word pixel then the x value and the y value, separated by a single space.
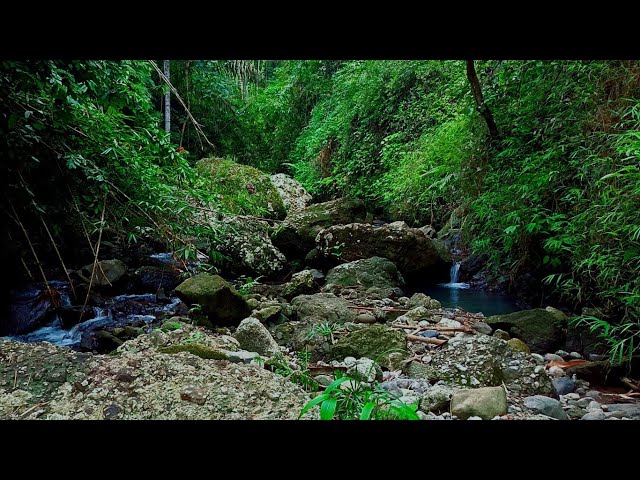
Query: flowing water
pixel 462 295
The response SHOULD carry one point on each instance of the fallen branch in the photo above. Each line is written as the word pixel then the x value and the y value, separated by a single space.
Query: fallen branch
pixel 432 341
pixel 37 405
pixel 435 327
pixel 633 385
pixel 385 309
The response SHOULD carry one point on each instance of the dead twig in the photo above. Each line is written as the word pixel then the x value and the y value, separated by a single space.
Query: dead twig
pixel 435 327
pixel 37 405
pixel 432 341
pixel 633 385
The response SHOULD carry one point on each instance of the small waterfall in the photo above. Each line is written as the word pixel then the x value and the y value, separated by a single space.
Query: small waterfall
pixel 454 272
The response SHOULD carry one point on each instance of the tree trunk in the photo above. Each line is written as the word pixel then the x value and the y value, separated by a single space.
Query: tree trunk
pixel 167 99
pixel 482 108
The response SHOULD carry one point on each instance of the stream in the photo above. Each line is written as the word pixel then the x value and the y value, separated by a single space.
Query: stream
pixel 456 294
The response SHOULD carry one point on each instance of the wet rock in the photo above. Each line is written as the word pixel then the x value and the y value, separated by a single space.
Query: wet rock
pixel 369 272
pixel 546 406
pixel 106 273
pixel 594 415
pixel 242 356
pixel 472 265
pixel 294 196
pixel 152 279
pixel 540 329
pixel 254 336
pixel 484 403
pixel 365 318
pixel 296 236
pixel 552 357
pixel 219 300
pixel 538 358
pixel 375 342
pixel 72 315
pixel 415 254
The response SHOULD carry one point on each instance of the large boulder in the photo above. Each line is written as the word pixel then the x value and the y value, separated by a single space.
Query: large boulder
pixel 297 234
pixel 142 382
pixel 483 361
pixel 150 279
pixel 293 194
pixel 254 337
pixel 417 256
pixel 472 265
pixel 303 283
pixel 219 300
pixel 485 403
pixel 540 329
pixel 369 272
pixel 546 406
pixel 375 342
pixel 323 307
pixel 242 189
pixel 246 244
pixel 106 273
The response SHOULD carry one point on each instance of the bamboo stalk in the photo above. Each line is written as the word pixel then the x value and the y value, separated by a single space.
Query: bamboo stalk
pixel 95 260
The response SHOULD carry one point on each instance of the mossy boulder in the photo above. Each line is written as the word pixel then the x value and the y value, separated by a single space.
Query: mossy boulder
pixel 242 189
pixel 485 403
pixel 219 300
pixel 295 237
pixel 375 342
pixel 542 330
pixel 417 256
pixel 153 278
pixel 518 345
pixel 293 194
pixel 302 283
pixel 197 349
pixel 369 272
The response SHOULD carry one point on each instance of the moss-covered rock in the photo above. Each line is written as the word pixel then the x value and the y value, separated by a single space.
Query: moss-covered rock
pixel 369 272
pixel 416 255
pixel 296 235
pixel 242 189
pixel 293 194
pixel 197 349
pixel 302 283
pixel 540 329
pixel 254 337
pixel 518 345
pixel 375 342
pixel 219 300
pixel 485 403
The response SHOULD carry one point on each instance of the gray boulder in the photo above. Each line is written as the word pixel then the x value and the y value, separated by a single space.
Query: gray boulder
pixel 485 403
pixel 369 272
pixel 254 337
pixel 293 194
pixel 540 329
pixel 546 406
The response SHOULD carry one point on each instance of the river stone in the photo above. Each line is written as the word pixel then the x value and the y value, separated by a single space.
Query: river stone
pixel 295 237
pixel 293 194
pixel 594 415
pixel 369 272
pixel 540 329
pixel 219 300
pixel 546 406
pixel 564 385
pixel 485 403
pixel 254 337
pixel 375 342
pixel 365 318
pixel 323 307
pixel 302 283
pixel 421 300
pixel 629 410
pixel 483 328
pixel 518 345
pixel 436 399
pixel 365 370
pixel 552 357
pixel 501 334
pixel 416 255
pixel 107 272
pixel 152 279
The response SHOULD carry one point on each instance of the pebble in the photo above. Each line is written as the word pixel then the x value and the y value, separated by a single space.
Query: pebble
pixel 539 359
pixel 593 405
pixel 584 402
pixel 349 361
pixel 572 396
pixel 501 334
pixel 423 323
pixel 475 418
pixel 556 372
pixel 575 356
pixel 564 385
pixel 449 323
pixel 428 333
pixel 593 393
pixel 562 353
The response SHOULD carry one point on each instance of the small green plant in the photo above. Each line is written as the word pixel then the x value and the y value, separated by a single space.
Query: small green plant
pixel 336 250
pixel 622 340
pixel 194 337
pixel 357 401
pixel 245 287
pixel 196 308
pixel 322 329
pixel 280 365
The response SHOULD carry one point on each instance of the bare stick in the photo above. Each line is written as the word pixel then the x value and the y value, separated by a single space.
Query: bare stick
pixel 175 92
pixel 95 260
pixel 55 247
pixel 434 327
pixel 432 341
pixel 385 309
